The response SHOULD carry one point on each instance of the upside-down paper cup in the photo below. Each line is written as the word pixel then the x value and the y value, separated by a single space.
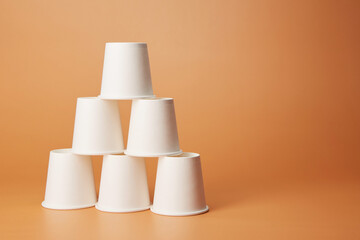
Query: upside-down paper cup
pixel 153 129
pixel 97 129
pixel 126 71
pixel 70 181
pixel 179 188
pixel 123 185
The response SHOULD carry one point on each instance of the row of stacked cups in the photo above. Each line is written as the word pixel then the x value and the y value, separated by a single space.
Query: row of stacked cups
pixel 179 189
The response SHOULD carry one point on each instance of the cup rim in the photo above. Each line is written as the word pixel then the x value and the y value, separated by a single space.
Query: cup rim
pixel 179 214
pixel 120 156
pixel 115 154
pixel 99 153
pixel 55 206
pixel 120 210
pixel 155 99
pixel 184 155
pixel 138 154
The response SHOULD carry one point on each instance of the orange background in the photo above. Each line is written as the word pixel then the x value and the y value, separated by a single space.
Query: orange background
pixel 267 92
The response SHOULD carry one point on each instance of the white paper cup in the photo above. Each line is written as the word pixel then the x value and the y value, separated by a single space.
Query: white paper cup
pixel 70 181
pixel 123 185
pixel 153 129
pixel 126 71
pixel 97 129
pixel 179 189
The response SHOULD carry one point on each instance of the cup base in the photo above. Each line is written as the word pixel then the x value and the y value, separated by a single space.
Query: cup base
pixel 114 210
pixel 61 207
pixel 152 154
pixel 125 97
pixel 98 153
pixel 180 214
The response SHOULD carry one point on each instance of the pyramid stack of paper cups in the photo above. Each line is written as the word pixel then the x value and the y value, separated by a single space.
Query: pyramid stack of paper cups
pixel 179 189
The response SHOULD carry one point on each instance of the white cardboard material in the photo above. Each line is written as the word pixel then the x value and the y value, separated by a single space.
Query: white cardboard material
pixel 123 185
pixel 153 130
pixel 126 71
pixel 97 129
pixel 70 181
pixel 179 188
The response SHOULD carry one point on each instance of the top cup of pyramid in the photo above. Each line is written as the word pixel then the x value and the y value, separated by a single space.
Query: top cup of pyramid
pixel 126 71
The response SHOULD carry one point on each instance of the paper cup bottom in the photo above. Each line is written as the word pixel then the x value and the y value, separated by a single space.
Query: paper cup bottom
pixel 179 214
pixel 62 207
pixel 124 97
pixel 114 210
pixel 153 154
